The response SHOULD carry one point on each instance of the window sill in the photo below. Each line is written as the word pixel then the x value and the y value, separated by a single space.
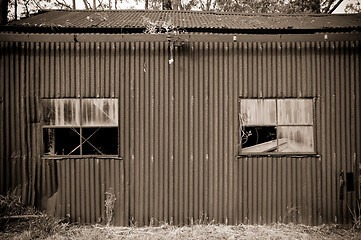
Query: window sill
pixel 61 157
pixel 290 155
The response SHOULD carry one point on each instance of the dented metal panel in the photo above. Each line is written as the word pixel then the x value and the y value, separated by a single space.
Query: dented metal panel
pixel 76 188
pixel 178 129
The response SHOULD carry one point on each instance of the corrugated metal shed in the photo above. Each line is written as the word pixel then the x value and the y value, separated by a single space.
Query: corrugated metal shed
pixel 186 20
pixel 178 125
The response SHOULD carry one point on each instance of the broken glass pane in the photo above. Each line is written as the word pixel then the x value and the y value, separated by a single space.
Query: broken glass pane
pixel 258 112
pixel 61 112
pixel 295 139
pixel 259 139
pixel 295 111
pixel 100 112
pixel 100 141
pixel 61 141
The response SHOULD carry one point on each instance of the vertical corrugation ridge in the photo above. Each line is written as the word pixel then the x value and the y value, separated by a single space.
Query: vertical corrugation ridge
pixel 288 187
pixel 178 130
pixel 67 177
pixel 3 81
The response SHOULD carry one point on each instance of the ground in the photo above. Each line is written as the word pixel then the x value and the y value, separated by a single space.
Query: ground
pixel 21 222
pixel 46 227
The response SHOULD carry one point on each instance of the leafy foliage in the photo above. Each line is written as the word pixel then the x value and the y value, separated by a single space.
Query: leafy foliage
pixel 353 7
pixel 27 7
pixel 251 6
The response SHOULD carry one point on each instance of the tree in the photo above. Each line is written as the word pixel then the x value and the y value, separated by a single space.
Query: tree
pixel 3 11
pixel 28 7
pixel 353 7
pixel 257 6
pixel 8 8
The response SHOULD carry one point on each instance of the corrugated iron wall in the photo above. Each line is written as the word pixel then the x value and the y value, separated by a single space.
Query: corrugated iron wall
pixel 77 188
pixel 178 109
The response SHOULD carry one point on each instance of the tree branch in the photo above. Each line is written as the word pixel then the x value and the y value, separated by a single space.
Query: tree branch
pixel 62 4
pixel 3 11
pixel 328 4
pixel 334 8
pixel 86 4
pixel 37 4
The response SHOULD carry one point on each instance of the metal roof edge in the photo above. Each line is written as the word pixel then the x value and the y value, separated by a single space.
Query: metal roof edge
pixel 187 37
pixel 202 12
pixel 210 30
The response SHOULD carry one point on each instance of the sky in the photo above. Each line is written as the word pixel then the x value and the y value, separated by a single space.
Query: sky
pixel 131 4
pixel 122 4
pixel 136 4
pixel 341 8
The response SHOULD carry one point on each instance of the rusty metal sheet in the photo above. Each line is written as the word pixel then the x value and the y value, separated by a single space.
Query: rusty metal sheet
pixel 139 19
pixel 178 129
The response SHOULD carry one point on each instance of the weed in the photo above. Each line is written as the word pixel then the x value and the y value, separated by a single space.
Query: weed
pixel 109 206
pixel 25 222
pixel 11 205
pixel 156 27
pixel 291 215
pixel 166 27
pixel 356 217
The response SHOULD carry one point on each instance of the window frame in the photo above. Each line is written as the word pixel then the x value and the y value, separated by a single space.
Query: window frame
pixel 80 127
pixel 240 153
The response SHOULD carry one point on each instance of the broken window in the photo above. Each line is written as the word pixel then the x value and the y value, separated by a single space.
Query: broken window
pixel 80 126
pixel 276 125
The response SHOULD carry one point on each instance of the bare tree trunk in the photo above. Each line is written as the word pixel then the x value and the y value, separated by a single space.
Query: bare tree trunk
pixel 167 5
pixel 74 6
pixel 27 9
pixel 146 4
pixel 86 4
pixel 16 10
pixel 334 8
pixel 94 4
pixel 3 12
pixel 176 5
pixel 179 5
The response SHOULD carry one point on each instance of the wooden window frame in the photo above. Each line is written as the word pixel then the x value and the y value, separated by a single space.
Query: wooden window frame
pixel 81 127
pixel 240 153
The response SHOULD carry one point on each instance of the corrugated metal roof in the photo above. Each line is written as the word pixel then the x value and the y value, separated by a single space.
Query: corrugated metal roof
pixel 186 20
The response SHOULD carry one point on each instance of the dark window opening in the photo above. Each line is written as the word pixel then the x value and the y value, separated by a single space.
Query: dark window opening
pixel 259 139
pixel 98 141
pixel 350 182
pixel 61 141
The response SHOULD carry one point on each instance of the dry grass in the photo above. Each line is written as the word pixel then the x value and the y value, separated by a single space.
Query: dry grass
pixel 18 221
pixel 165 231
pixel 47 227
pixel 211 231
